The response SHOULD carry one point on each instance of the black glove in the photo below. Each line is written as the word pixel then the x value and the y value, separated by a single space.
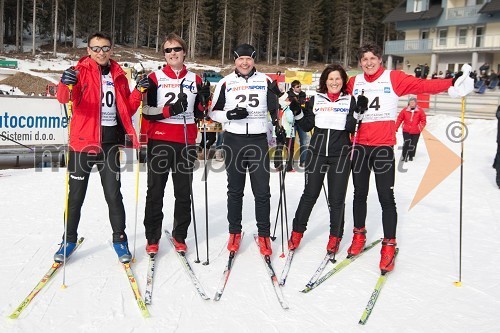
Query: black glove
pixel 362 104
pixel 69 76
pixel 273 87
pixel 280 134
pixel 295 106
pixel 143 84
pixel 237 113
pixel 180 105
pixel 204 93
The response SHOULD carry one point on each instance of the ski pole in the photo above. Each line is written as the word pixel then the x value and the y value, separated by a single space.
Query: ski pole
pixel 205 170
pixel 462 122
pixel 360 117
pixel 190 174
pixel 16 142
pixel 137 174
pixel 66 194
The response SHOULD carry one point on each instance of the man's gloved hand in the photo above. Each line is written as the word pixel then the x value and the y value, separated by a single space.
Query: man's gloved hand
pixel 362 104
pixel 273 87
pixel 295 106
pixel 69 76
pixel 143 84
pixel 280 134
pixel 180 105
pixel 237 113
pixel 204 93
pixel 463 84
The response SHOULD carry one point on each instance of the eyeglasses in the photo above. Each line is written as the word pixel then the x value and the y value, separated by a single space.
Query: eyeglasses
pixel 176 49
pixel 98 49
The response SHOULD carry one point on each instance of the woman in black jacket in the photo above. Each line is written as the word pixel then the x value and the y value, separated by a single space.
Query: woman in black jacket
pixel 330 113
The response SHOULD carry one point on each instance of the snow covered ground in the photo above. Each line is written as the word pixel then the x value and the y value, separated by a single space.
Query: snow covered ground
pixel 419 296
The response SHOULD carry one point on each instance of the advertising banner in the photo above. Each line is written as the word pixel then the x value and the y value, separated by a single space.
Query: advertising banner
pixel 32 121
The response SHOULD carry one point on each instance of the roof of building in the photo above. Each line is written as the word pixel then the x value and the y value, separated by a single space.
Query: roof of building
pixel 489 7
pixel 399 13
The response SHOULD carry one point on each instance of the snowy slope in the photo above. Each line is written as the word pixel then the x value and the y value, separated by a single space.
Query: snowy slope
pixel 419 295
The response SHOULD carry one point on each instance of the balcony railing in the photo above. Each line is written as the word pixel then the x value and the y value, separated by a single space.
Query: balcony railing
pixel 441 45
pixel 462 12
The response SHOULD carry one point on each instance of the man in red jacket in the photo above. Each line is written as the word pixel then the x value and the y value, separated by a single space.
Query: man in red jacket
pixel 414 120
pixel 376 137
pixel 100 122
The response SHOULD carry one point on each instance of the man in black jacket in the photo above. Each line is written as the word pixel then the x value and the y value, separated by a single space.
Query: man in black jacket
pixel 296 93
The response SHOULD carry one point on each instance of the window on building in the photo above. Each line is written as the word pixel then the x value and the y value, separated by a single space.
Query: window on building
pixel 462 36
pixel 442 36
pixel 417 6
pixel 474 2
pixel 479 40
pixel 424 34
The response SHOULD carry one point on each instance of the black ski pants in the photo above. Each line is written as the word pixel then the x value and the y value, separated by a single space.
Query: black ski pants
pixel 337 169
pixel 410 144
pixel 165 157
pixel 108 165
pixel 380 160
pixel 247 153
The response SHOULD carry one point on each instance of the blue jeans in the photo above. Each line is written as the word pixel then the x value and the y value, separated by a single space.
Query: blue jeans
pixel 304 142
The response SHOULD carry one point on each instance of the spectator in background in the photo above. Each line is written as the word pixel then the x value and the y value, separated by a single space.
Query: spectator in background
pixel 425 71
pixel 414 120
pixel 418 71
pixel 483 70
pixel 296 93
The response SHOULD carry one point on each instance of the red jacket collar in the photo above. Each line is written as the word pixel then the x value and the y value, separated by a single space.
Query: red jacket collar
pixel 171 73
pixel 371 78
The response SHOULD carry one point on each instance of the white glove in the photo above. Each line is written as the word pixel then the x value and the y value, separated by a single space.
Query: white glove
pixel 464 85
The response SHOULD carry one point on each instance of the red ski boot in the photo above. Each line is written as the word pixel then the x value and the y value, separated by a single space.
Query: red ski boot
pixel 387 255
pixel 358 241
pixel 295 239
pixel 333 244
pixel 233 244
pixel 265 246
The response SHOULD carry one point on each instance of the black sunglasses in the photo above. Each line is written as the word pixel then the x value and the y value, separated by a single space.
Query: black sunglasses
pixel 98 49
pixel 176 49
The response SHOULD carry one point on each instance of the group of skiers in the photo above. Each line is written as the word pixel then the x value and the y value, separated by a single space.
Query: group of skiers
pixel 354 132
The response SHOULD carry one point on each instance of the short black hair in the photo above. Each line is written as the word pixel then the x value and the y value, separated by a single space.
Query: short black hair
pixel 99 35
pixel 295 83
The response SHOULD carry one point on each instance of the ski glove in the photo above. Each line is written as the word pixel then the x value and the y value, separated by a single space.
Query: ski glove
pixel 362 104
pixel 273 87
pixel 180 105
pixel 204 93
pixel 69 76
pixel 143 84
pixel 295 106
pixel 280 134
pixel 463 84
pixel 237 113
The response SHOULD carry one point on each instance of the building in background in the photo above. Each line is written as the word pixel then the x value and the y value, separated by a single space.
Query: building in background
pixel 445 34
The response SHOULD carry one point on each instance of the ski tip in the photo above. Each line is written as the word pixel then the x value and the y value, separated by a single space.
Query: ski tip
pixel 361 322
pixel 14 316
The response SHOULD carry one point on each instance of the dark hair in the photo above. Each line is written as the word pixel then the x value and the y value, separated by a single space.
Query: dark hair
pixel 295 83
pixel 175 37
pixel 369 47
pixel 324 76
pixel 100 35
